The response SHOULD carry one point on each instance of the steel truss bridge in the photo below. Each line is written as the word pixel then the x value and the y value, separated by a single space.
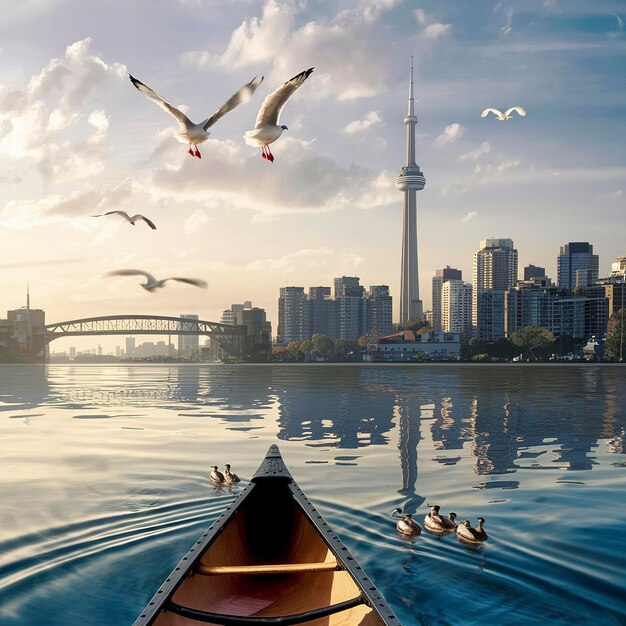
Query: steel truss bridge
pixel 232 339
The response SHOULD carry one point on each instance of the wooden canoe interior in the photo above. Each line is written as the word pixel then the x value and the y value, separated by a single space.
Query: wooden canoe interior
pixel 269 529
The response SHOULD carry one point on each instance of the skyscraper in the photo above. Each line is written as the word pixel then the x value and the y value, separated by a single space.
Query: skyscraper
pixel 291 315
pixel 534 271
pixel 495 272
pixel 321 313
pixel 577 265
pixel 447 273
pixel 379 311
pixel 188 344
pixel 410 181
pixel 351 311
pixel 456 307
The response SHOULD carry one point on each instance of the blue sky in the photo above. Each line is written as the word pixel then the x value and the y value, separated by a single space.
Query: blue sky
pixel 77 139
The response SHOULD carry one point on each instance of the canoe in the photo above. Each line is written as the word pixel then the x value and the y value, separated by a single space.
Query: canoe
pixel 270 558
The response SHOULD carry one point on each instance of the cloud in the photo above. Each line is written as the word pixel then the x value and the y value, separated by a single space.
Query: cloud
pixel 484 148
pixel 195 221
pixel 451 133
pixel 508 25
pixel 612 195
pixel 373 118
pixel 435 31
pixel 311 258
pixel 469 216
pixel 46 120
pixel 344 69
pixel 42 263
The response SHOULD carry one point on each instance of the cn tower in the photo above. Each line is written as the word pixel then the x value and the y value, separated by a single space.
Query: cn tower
pixel 410 180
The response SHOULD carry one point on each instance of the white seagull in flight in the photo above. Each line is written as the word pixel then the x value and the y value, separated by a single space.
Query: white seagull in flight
pixel 191 133
pixel 266 129
pixel 153 283
pixel 503 116
pixel 131 219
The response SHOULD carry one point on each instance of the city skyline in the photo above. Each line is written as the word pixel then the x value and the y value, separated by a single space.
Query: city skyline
pixel 77 140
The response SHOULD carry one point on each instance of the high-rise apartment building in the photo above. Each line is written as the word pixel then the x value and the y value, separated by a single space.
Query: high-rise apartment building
pixel 321 313
pixel 534 271
pixel 447 273
pixel 229 316
pixel 291 315
pixel 456 307
pixel 379 305
pixel 577 265
pixel 351 308
pixel 495 272
pixel 619 267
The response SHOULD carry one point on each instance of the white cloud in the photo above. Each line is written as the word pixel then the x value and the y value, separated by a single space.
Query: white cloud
pixel 334 45
pixel 484 148
pixel 469 216
pixel 435 31
pixel 373 118
pixel 508 24
pixel 195 221
pixel 612 195
pixel 451 133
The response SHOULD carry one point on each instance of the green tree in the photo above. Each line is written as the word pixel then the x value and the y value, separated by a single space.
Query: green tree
pixel 531 338
pixel 306 347
pixel 365 340
pixel 614 348
pixel 340 346
pixel 322 343
pixel 293 349
pixel 415 324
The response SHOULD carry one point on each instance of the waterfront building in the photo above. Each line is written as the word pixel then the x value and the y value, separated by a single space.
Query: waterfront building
pixel 534 271
pixel 379 305
pixel 259 332
pixel 494 273
pixel 577 265
pixel 456 307
pixel 188 345
pixel 440 277
pixel 533 303
pixel 581 317
pixel 229 315
pixel 321 313
pixel 351 308
pixel 410 181
pixel 291 315
pixel 130 347
pixel 406 345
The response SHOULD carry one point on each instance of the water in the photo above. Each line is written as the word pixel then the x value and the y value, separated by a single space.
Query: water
pixel 103 481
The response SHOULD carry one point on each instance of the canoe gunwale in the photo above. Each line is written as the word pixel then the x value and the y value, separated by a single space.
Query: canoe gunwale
pixel 284 620
pixel 272 469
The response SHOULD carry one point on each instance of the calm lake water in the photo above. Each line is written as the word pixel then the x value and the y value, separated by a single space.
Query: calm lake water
pixel 103 481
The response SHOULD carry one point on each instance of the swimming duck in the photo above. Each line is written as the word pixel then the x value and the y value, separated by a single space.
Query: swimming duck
pixel 438 523
pixel 465 531
pixel 406 524
pixel 216 476
pixel 229 477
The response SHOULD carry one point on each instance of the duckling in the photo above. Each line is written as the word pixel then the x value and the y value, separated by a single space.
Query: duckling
pixel 216 476
pixel 465 531
pixel 229 477
pixel 437 523
pixel 406 524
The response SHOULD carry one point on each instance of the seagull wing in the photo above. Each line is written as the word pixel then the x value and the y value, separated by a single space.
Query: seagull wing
pixel 517 109
pixel 196 282
pixel 485 112
pixel 145 219
pixel 183 120
pixel 237 98
pixel 122 213
pixel 149 277
pixel 274 103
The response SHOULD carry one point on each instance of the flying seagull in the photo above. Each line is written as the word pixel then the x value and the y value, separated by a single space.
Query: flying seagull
pixel 130 219
pixel 266 129
pixel 503 116
pixel 191 133
pixel 153 283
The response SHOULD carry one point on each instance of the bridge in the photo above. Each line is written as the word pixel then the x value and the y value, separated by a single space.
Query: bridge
pixel 232 339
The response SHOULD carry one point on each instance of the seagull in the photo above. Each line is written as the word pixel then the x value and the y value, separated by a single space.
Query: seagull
pixel 191 133
pixel 130 219
pixel 266 129
pixel 503 116
pixel 153 283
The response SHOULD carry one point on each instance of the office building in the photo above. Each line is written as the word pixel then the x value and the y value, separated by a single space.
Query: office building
pixel 534 271
pixel 619 267
pixel 379 305
pixel 321 313
pixel 130 347
pixel 447 273
pixel 351 308
pixel 577 265
pixel 188 345
pixel 230 315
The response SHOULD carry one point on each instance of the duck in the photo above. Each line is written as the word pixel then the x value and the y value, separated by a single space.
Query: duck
pixel 229 477
pixel 465 531
pixel 406 524
pixel 438 523
pixel 216 476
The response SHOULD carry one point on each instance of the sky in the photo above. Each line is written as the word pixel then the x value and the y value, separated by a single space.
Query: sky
pixel 76 140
